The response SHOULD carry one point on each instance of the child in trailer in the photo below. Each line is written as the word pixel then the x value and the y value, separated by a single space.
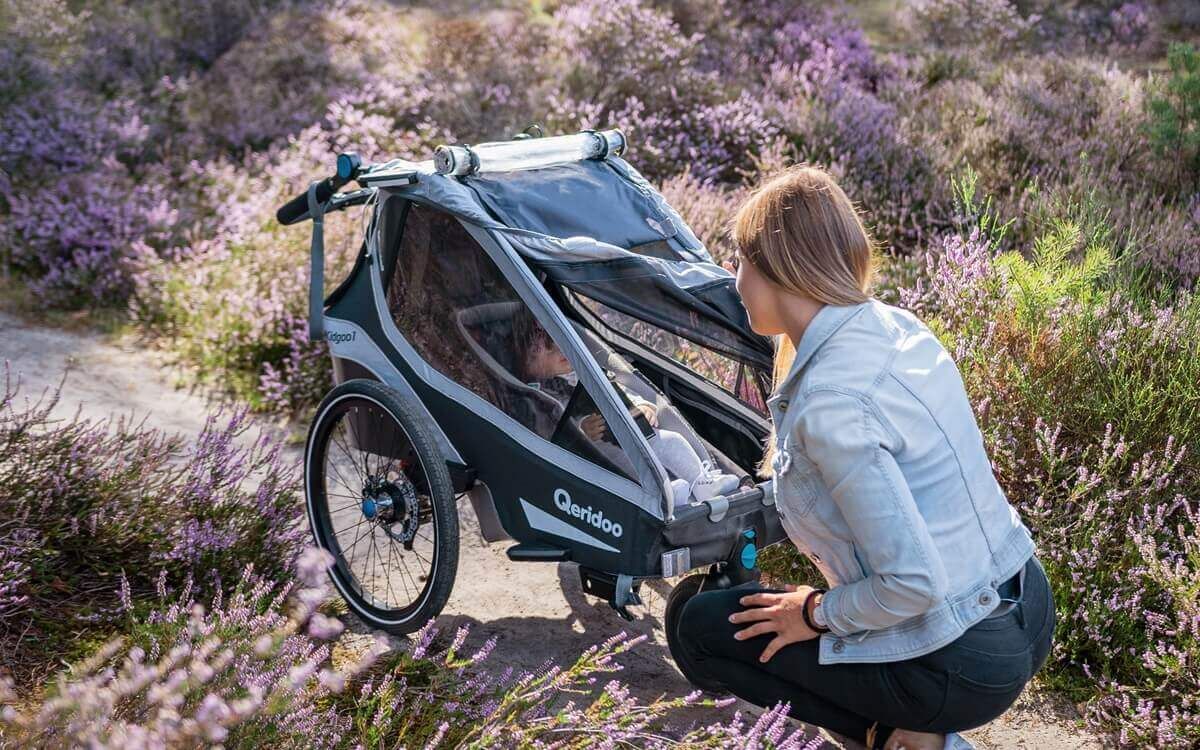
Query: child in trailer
pixel 544 366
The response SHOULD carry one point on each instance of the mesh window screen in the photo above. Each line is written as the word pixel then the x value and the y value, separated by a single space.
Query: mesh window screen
pixel 452 303
pixel 748 384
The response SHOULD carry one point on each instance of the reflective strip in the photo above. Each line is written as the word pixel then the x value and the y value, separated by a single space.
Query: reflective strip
pixel 543 521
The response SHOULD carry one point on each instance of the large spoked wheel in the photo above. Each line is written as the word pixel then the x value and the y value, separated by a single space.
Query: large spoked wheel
pixel 679 596
pixel 381 502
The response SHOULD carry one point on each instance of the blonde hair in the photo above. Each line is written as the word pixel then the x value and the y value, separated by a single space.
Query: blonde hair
pixel 801 231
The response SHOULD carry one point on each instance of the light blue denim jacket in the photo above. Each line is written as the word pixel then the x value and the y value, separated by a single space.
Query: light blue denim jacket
pixel 882 480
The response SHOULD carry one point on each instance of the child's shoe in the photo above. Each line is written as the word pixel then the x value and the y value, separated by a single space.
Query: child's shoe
pixel 712 483
pixel 682 492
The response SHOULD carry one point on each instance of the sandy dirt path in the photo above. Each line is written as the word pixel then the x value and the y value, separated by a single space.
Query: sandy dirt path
pixel 538 611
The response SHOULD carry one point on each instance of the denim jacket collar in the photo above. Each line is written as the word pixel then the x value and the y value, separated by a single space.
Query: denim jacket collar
pixel 827 320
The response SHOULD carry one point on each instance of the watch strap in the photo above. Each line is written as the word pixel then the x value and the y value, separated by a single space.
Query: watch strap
pixel 818 614
pixel 808 620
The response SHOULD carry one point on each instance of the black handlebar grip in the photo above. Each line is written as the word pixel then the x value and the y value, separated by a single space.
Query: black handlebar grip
pixel 293 210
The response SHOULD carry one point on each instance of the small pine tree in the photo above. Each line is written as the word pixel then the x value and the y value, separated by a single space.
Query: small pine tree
pixel 1174 112
pixel 1051 275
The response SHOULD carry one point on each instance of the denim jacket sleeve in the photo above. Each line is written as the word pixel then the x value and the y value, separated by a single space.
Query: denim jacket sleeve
pixel 844 437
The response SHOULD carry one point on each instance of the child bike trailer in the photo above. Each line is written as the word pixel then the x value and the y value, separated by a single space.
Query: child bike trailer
pixel 433 404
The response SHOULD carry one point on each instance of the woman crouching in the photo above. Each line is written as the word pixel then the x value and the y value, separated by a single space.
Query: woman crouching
pixel 937 612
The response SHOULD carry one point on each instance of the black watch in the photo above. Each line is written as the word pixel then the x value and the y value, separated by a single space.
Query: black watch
pixel 808 620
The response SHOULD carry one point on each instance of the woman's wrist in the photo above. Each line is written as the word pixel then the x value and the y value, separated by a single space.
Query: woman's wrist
pixel 810 604
pixel 818 613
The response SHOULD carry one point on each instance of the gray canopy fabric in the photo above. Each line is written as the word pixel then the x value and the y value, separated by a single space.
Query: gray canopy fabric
pixel 583 223
pixel 605 200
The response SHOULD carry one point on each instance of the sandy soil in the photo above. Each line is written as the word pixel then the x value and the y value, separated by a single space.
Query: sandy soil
pixel 538 611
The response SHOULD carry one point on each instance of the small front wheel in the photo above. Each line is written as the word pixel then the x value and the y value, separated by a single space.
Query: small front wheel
pixel 380 500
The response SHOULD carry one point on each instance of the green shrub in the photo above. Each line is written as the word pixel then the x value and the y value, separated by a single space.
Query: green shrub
pixel 1174 110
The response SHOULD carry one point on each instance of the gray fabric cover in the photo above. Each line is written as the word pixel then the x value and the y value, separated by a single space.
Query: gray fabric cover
pixel 587 198
pixel 697 301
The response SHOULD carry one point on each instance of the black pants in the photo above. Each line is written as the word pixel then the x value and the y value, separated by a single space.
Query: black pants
pixel 962 685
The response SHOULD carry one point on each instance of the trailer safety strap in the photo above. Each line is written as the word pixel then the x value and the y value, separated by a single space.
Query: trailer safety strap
pixel 316 282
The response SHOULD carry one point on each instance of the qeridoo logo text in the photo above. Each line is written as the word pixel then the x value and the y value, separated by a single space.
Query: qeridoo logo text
pixel 339 338
pixel 563 502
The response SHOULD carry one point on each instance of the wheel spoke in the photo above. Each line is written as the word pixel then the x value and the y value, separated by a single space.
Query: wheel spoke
pixel 349 486
pixel 404 566
pixel 369 567
pixel 420 557
pixel 353 463
pixel 392 453
pixel 357 539
pixel 353 418
pixel 388 573
pixel 347 528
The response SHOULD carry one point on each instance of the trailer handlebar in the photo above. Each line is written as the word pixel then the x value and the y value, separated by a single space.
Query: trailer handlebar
pixel 349 166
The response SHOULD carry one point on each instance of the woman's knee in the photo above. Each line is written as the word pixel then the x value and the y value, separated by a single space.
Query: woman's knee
pixel 704 621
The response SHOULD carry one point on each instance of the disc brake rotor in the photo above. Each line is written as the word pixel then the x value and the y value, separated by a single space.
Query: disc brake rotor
pixel 396 509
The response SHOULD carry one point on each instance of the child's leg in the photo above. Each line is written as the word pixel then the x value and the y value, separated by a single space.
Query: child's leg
pixel 677 455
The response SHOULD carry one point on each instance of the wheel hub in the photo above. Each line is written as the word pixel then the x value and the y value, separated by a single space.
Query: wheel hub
pixel 376 508
pixel 393 505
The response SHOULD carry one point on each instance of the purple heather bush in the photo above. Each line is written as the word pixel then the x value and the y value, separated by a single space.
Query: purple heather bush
pixel 1096 455
pixel 262 666
pixel 477 77
pixel 236 305
pixel 84 233
pixel 628 65
pixel 241 672
pixel 707 208
pixel 1075 132
pixel 766 35
pixel 967 25
pixel 165 166
pixel 96 511
pixel 325 53
pixel 1131 23
pixel 144 149
pixel 844 107
pixel 863 139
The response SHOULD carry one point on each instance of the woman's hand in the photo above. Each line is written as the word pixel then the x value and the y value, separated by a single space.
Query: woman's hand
pixel 775 613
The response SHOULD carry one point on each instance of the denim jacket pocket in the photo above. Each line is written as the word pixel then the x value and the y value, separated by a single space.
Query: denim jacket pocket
pixel 796 482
